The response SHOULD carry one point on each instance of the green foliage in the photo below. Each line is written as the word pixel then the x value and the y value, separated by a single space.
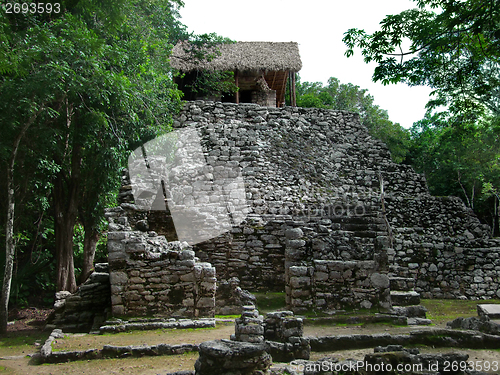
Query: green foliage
pixel 442 311
pixel 450 46
pixel 351 98
pixel 454 48
pixel 94 82
pixel 461 160
pixel 213 83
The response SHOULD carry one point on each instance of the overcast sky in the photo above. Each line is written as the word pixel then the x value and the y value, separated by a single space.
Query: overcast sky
pixel 318 26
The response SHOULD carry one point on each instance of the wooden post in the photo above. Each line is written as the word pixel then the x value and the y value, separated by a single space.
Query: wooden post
pixel 293 94
pixel 237 85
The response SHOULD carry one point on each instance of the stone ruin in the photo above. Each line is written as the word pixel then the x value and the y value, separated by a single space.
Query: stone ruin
pixel 152 277
pixel 329 218
pixel 326 217
pixel 257 342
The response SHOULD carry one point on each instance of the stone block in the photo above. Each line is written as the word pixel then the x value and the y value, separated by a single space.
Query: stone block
pixel 188 277
pixel 321 276
pixel 298 271
pixel 293 234
pixel 136 280
pixel 490 310
pixel 299 282
pixel 118 278
pixel 380 281
pixel 206 302
pixel 118 310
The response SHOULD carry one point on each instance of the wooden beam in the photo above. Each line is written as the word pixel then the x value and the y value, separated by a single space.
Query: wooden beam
pixel 274 78
pixel 293 93
pixel 283 90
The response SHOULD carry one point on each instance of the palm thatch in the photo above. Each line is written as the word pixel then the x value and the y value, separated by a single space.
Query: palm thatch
pixel 242 56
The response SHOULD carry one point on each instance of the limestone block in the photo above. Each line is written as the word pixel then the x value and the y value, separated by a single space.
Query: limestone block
pixel 118 310
pixel 206 302
pixel 380 281
pixel 295 244
pixel 115 246
pixel 135 248
pixel 298 271
pixel 114 236
pixel 293 234
pixel 299 282
pixel 118 278
pixel 186 254
pixel 116 300
pixel 188 277
pixel 320 276
pixel 136 280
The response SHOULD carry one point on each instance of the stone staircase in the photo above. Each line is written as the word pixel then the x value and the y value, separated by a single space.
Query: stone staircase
pixel 405 300
pixel 366 226
pixel 356 234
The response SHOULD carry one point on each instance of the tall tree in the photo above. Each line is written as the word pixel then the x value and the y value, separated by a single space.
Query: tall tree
pixel 461 160
pixel 451 46
pixel 90 80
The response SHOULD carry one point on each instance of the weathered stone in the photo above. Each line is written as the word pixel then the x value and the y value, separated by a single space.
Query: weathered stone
pixel 224 357
pixel 380 281
pixel 492 311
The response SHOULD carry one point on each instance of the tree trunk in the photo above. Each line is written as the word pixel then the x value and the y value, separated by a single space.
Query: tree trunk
pixel 9 252
pixel 495 229
pixel 89 247
pixel 64 222
pixel 66 212
pixel 9 227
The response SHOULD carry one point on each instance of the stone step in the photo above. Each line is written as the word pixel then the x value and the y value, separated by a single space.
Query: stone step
pixel 401 298
pixel 362 220
pixel 398 271
pixel 403 284
pixel 368 234
pixel 363 227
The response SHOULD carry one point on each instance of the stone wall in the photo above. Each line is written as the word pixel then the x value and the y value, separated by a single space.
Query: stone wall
pixel 322 169
pixel 440 243
pixel 87 308
pixel 317 167
pixel 152 277
pixel 333 284
pixel 321 172
pixel 264 98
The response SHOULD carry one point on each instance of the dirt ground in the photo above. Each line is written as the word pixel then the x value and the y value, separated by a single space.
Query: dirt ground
pixel 25 337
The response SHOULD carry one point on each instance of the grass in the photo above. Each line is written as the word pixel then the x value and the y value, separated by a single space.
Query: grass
pixel 270 301
pixel 446 310
pixel 149 337
pixel 226 317
pixel 22 342
pixel 439 310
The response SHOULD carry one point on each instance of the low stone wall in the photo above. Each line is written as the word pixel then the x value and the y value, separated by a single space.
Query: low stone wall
pixel 87 308
pixel 150 276
pixel 225 357
pixel 438 338
pixel 108 351
pixel 331 285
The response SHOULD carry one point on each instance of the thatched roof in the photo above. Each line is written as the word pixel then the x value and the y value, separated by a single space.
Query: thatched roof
pixel 267 56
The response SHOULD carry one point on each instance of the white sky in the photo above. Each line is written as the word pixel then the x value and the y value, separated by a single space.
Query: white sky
pixel 318 26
